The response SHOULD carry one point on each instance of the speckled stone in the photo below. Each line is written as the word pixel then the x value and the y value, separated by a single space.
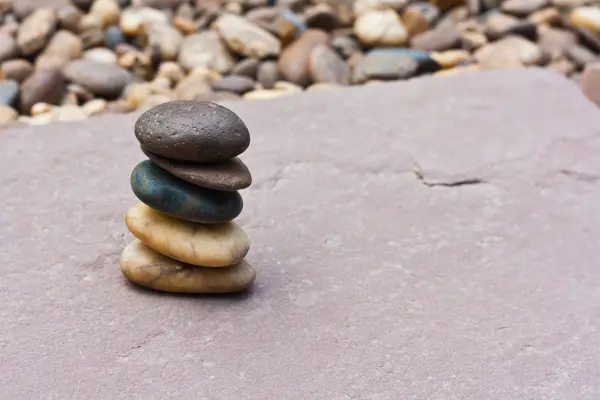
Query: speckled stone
pixel 228 175
pixel 148 268
pixel 196 131
pixel 213 245
pixel 164 192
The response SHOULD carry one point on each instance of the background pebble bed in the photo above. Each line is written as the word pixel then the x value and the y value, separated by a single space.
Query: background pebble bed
pixel 72 59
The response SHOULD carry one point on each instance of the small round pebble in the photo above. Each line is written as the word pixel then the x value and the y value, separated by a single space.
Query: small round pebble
pixel 192 131
pixel 230 175
pixel 217 245
pixel 148 268
pixel 164 192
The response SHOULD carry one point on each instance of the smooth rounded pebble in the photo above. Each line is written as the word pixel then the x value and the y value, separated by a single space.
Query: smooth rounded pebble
pixel 197 131
pixel 217 245
pixel 164 192
pixel 230 175
pixel 145 267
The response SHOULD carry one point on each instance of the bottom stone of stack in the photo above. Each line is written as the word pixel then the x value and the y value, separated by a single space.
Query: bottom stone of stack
pixel 148 268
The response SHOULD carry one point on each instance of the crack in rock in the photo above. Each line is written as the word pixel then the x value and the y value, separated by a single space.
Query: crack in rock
pixel 449 182
pixel 580 176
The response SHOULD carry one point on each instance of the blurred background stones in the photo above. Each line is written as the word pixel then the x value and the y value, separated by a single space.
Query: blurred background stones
pixel 63 60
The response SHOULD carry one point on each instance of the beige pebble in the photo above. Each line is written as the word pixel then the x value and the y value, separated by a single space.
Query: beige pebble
pixel 148 268
pixel 548 15
pixel 208 245
pixel 287 86
pixel 171 70
pixel 136 93
pixel 586 17
pixel 451 58
pixel 160 84
pixel 132 20
pixel 380 28
pixel 107 11
pixel 8 115
pixel 89 22
pixel 265 94
pixel 68 112
pixel 94 107
pixel 41 108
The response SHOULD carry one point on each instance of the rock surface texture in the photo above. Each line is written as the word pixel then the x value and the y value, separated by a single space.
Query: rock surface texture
pixel 398 258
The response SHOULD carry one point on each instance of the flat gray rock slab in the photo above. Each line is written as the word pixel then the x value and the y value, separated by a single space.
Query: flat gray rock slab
pixel 432 239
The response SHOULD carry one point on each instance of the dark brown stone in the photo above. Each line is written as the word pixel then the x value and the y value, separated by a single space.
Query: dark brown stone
pixel 295 59
pixel 321 17
pixel 192 131
pixel 230 175
pixel 45 86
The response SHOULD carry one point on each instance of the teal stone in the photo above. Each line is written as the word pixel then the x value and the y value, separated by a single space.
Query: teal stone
pixel 162 191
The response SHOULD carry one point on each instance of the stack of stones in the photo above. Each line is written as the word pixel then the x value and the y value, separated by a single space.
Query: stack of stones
pixel 187 240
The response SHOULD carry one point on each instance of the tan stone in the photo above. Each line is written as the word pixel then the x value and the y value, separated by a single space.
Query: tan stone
pixel 246 38
pixel 380 28
pixel 287 87
pixel 94 107
pixel 132 20
pixel 208 245
pixel 586 17
pixel 171 70
pixel 148 268
pixel 264 94
pixel 107 10
pixel 136 93
pixel 41 108
pixel 35 31
pixel 8 115
pixel 451 58
pixel 548 15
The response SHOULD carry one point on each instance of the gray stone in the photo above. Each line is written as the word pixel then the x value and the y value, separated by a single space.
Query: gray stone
pixel 386 65
pixel 326 65
pixel 268 74
pixel 234 83
pixel 581 55
pixel 9 90
pixel 421 239
pixel 100 78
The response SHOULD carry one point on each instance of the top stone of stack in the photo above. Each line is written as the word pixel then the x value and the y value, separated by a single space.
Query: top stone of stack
pixel 194 131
